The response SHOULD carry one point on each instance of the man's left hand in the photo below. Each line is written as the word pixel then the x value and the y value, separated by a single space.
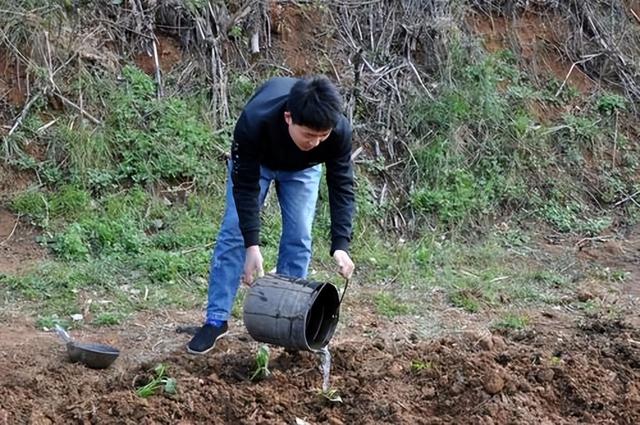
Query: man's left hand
pixel 344 263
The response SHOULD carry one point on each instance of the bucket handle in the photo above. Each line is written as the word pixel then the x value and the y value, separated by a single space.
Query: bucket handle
pixel 344 292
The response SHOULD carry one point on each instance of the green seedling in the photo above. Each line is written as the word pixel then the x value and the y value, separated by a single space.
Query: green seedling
pixel 331 394
pixel 161 380
pixel 419 365
pixel 555 361
pixel 261 370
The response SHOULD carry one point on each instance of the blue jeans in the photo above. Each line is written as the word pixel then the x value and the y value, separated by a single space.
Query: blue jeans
pixel 297 195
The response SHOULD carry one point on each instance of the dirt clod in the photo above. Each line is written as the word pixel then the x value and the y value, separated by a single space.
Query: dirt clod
pixel 493 384
pixel 486 343
pixel 545 375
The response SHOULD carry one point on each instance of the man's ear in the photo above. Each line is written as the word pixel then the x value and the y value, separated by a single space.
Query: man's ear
pixel 287 117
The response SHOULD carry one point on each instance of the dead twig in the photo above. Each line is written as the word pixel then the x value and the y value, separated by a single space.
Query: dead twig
pixel 78 108
pixel 415 71
pixel 12 231
pixel 628 198
pixel 156 62
pixel 22 115
pixel 571 70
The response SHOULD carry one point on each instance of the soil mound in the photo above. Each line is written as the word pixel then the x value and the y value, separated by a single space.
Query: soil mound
pixel 589 375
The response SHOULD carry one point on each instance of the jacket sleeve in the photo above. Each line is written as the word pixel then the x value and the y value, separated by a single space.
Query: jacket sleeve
pixel 341 194
pixel 245 175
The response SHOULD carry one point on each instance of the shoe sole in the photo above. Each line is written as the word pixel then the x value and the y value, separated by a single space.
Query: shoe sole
pixel 199 353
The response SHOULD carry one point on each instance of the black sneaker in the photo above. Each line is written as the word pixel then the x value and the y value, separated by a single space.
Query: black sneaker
pixel 205 339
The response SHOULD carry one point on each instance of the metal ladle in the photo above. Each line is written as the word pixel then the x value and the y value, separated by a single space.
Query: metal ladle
pixel 96 356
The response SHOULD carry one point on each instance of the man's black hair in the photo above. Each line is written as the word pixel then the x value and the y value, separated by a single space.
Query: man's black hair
pixel 315 103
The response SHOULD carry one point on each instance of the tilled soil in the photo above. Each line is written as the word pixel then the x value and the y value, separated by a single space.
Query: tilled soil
pixel 589 373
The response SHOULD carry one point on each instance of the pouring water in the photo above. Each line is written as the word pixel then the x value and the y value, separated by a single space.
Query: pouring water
pixel 325 367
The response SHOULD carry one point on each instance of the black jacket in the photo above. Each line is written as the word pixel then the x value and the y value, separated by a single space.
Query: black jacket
pixel 261 137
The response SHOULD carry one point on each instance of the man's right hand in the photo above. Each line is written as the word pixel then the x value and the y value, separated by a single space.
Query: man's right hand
pixel 252 265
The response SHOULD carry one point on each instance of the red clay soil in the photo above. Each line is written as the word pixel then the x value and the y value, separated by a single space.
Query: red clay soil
pixel 585 373
pixel 169 54
pixel 536 38
pixel 294 36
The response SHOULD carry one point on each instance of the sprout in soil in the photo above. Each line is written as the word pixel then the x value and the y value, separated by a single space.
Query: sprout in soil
pixel 419 365
pixel 261 370
pixel 331 394
pixel 161 380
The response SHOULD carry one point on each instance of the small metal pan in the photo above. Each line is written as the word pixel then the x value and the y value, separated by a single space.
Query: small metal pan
pixel 93 355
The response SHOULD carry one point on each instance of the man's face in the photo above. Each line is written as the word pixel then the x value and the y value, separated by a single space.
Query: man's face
pixel 304 137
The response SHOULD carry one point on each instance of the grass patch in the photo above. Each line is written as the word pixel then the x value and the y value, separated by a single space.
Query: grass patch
pixel 466 300
pixel 389 305
pixel 573 217
pixel 512 322
pixel 108 319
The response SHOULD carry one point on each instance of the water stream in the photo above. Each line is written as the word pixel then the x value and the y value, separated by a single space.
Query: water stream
pixel 325 367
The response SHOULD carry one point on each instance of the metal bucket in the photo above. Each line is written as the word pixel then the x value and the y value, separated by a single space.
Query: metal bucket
pixel 293 313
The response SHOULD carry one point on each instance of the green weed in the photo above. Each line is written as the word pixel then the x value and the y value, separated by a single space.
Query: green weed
pixel 49 322
pixel 389 306
pixel 420 365
pixel 33 204
pixel 589 307
pixel 607 274
pixel 261 369
pixel 72 244
pixel 108 319
pixel 160 381
pixel 573 217
pixel 610 103
pixel 332 395
pixel 513 322
pixel 555 361
pixel 466 300
pixel 69 202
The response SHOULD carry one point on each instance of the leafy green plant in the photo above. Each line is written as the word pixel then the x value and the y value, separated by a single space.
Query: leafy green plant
pixel 331 395
pixel 160 381
pixel 420 365
pixel 610 103
pixel 582 126
pixel 555 361
pixel 570 217
pixel 261 369
pixel 71 244
pixel 590 307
